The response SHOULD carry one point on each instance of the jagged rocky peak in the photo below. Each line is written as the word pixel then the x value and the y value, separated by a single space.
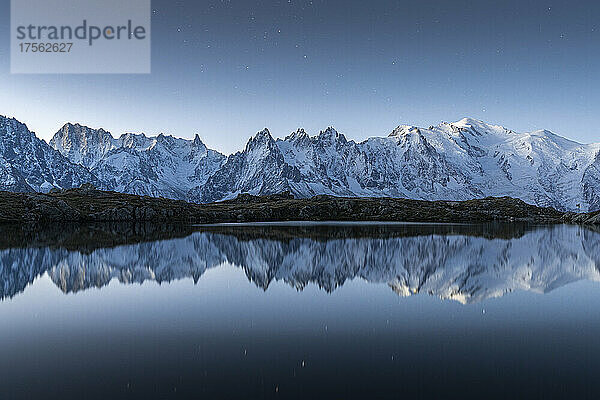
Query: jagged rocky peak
pixel 330 135
pixel 264 134
pixel 135 140
pixel 198 146
pixel 197 141
pixel 81 144
pixel 329 132
pixel 79 135
pixel 28 163
pixel 15 131
pixel 7 124
pixel 404 130
pixel 169 141
pixel 299 135
pixel 261 139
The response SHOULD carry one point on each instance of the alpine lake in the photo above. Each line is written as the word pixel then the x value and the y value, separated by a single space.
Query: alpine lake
pixel 300 310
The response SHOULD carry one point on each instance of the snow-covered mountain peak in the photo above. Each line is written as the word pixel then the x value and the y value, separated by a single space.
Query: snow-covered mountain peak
pixel 27 163
pixel 299 135
pixel 481 127
pixel 467 121
pixel 330 136
pixel 404 130
pixel 164 138
pixel 329 132
pixel 264 133
pixel 9 126
pixel 172 143
pixel 83 145
pixel 262 139
pixel 451 161
pixel 136 141
pixel 197 141
pixel 545 134
pixel 162 165
pixel 81 130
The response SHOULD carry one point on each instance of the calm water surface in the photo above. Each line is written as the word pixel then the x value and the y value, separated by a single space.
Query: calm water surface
pixel 304 311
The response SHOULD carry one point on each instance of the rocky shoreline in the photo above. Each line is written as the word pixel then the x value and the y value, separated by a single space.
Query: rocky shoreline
pixel 91 205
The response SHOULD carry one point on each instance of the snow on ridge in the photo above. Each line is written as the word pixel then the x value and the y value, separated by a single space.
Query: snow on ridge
pixel 161 165
pixel 451 161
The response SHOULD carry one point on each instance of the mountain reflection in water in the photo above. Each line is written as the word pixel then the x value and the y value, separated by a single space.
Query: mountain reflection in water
pixel 466 263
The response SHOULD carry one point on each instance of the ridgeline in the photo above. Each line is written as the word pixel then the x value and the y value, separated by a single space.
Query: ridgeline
pixel 87 204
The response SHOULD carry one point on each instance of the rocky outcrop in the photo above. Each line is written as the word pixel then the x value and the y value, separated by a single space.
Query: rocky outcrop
pixel 91 205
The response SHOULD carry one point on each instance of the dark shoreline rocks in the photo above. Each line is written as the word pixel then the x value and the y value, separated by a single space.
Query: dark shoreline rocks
pixel 87 237
pixel 90 205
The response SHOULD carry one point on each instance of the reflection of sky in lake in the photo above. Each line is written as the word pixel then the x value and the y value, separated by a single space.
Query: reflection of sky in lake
pixel 226 337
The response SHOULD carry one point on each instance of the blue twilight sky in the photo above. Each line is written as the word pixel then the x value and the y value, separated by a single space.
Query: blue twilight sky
pixel 226 69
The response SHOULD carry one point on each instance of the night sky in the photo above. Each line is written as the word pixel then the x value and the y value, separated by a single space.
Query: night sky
pixel 226 69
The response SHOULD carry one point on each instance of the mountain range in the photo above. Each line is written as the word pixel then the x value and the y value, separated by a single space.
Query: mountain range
pixel 451 161
pixel 461 267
